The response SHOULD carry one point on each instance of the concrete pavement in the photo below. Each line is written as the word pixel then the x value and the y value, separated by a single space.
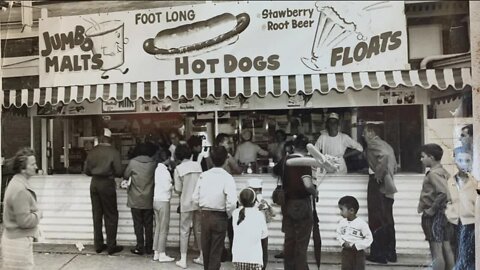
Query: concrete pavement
pixel 67 257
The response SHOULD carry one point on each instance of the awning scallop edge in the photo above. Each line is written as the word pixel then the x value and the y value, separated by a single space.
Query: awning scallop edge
pixel 457 78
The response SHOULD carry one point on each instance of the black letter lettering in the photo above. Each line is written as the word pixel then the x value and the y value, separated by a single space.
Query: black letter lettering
pixel 212 63
pixel 181 68
pixel 49 62
pixel 347 59
pixel 97 60
pixel 76 66
pixel 273 63
pixel 56 42
pixel 198 66
pixel 85 58
pixel 79 31
pixel 245 64
pixel 67 39
pixel 395 41
pixel 360 51
pixel 384 37
pixel 259 63
pixel 374 47
pixel 66 63
pixel 48 46
pixel 230 63
pixel 336 56
pixel 86 45
pixel 137 17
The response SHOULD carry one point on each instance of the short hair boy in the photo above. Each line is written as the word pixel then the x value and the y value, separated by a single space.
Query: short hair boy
pixel 353 233
pixel 432 204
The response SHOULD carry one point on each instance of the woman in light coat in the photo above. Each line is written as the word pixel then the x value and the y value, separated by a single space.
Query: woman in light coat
pixel 21 215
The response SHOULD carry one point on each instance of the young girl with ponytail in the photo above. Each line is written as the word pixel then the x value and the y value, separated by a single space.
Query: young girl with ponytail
pixel 249 223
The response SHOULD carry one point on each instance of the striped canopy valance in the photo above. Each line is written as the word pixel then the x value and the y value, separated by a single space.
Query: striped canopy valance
pixel 457 78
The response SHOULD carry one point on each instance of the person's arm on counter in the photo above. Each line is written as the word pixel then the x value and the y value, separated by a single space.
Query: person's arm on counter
pixel 233 165
pixel 261 152
pixel 351 143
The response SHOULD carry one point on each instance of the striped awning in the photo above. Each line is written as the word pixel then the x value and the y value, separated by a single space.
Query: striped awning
pixel 457 78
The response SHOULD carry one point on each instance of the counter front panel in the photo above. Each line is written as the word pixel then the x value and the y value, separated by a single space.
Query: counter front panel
pixel 67 214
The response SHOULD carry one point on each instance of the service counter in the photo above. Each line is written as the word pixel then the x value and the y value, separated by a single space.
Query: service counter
pixel 67 215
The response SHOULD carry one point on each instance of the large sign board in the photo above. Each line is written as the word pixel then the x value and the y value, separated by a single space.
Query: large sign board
pixel 213 40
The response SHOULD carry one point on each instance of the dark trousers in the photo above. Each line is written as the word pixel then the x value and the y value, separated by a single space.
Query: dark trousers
pixel 214 227
pixel 465 247
pixel 381 222
pixel 104 206
pixel 143 225
pixel 353 259
pixel 297 225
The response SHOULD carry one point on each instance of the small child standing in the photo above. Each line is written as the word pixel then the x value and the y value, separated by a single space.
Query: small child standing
pixel 353 233
pixel 432 204
pixel 262 204
pixel 461 210
pixel 249 223
pixel 161 206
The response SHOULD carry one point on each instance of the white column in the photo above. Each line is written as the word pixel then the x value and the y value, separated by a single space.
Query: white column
pixel 475 50
pixel 27 16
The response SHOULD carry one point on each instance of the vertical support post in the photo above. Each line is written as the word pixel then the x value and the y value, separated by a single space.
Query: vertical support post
pixel 216 125
pixel 1 108
pixel 32 139
pixel 475 51
pixel 50 139
pixel 66 143
pixel 44 139
pixel 27 16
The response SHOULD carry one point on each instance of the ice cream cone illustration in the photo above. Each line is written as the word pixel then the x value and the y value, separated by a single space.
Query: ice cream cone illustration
pixel 332 29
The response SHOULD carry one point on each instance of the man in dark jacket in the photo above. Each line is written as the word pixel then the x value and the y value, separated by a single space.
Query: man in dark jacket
pixel 103 164
pixel 381 188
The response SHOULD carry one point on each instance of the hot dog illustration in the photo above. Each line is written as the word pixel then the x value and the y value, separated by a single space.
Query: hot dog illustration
pixel 198 35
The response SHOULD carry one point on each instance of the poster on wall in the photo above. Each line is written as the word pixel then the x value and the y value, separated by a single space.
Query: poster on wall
pixel 218 40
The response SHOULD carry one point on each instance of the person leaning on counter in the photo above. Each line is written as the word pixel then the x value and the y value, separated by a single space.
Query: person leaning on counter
pixel 247 151
pixel 334 143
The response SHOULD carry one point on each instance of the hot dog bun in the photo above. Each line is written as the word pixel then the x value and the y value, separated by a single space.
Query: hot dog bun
pixel 197 35
pixel 322 159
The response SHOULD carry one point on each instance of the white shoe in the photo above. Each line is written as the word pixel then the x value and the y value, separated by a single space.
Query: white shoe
pixel 181 264
pixel 165 258
pixel 155 256
pixel 198 260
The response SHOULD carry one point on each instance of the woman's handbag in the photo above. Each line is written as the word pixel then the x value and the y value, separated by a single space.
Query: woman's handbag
pixel 278 195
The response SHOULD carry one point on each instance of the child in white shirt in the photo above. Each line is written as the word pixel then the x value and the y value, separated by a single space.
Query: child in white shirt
pixel 353 233
pixel 161 206
pixel 249 223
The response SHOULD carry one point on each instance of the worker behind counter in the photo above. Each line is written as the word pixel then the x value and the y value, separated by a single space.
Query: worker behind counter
pixel 248 151
pixel 332 142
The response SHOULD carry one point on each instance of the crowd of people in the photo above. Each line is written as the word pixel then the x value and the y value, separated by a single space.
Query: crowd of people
pixel 211 208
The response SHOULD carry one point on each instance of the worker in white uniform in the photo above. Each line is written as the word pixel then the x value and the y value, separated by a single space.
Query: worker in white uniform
pixel 334 143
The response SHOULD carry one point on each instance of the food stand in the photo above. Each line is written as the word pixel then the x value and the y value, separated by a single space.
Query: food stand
pixel 111 70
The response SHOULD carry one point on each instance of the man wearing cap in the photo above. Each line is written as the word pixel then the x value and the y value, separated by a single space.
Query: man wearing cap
pixel 334 143
pixel 103 165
